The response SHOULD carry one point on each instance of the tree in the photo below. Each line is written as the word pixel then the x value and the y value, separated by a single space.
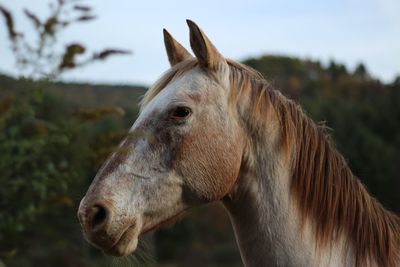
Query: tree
pixel 46 156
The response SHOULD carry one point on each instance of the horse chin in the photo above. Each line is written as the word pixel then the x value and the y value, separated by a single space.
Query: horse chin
pixel 126 244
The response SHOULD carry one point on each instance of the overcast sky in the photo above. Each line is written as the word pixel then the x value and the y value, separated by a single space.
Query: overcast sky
pixel 348 31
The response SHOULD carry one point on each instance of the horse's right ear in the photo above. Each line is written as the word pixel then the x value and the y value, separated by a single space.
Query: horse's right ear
pixel 175 51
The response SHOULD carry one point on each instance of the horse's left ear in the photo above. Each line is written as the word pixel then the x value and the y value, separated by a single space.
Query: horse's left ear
pixel 206 53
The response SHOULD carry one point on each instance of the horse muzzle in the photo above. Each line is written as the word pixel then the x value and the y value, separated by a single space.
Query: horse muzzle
pixel 115 234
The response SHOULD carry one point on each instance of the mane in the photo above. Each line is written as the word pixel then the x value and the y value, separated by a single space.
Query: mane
pixel 323 186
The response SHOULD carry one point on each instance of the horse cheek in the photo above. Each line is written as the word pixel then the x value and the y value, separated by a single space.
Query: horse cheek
pixel 209 162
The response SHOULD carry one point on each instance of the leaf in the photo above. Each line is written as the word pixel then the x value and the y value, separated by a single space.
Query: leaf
pixel 86 18
pixel 71 51
pixel 5 104
pixel 9 22
pixel 108 52
pixel 49 26
pixel 35 20
pixel 82 8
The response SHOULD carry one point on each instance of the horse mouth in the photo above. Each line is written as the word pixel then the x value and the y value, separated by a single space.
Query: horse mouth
pixel 128 241
pixel 126 244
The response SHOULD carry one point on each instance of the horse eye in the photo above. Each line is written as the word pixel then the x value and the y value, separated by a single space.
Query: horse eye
pixel 181 112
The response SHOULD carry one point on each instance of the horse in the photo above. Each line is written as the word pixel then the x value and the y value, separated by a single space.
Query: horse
pixel 211 129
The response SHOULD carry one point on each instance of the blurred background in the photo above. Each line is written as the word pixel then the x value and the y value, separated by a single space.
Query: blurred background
pixel 72 73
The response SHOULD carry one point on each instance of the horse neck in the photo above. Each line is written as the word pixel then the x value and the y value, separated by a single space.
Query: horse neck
pixel 267 224
pixel 269 217
pixel 263 220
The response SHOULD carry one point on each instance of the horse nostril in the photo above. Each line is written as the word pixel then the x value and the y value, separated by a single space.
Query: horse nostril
pixel 99 216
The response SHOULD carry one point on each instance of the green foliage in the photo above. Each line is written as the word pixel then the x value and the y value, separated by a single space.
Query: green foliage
pixel 33 172
pixel 53 138
pixel 47 150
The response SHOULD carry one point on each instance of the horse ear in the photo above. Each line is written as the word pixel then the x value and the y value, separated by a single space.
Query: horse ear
pixel 175 51
pixel 202 47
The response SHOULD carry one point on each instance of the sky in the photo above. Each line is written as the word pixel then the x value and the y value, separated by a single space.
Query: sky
pixel 347 31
